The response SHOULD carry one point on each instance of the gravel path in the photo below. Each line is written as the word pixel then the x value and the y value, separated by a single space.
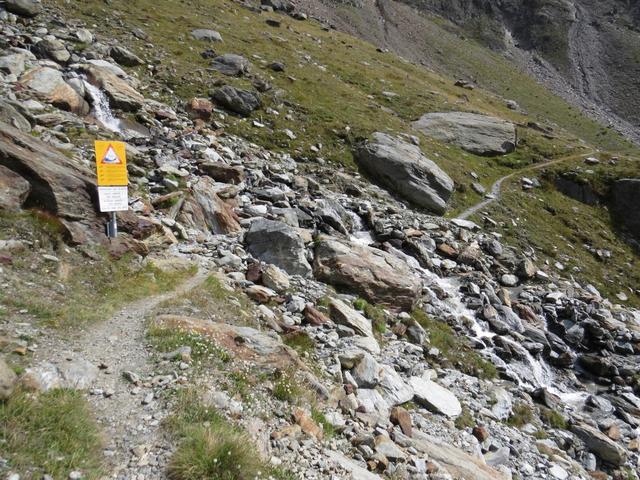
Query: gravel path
pixel 495 192
pixel 127 411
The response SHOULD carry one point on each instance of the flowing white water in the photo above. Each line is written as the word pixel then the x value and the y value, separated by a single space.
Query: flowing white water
pixel 102 110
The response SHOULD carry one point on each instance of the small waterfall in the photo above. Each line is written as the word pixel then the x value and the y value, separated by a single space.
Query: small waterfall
pixel 101 109
pixel 360 235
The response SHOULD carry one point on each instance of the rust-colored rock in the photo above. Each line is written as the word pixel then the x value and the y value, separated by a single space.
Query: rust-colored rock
pixel 313 316
pixel 447 250
pixel 480 432
pixel 221 172
pixel 401 417
pixel 200 108
pixel 307 424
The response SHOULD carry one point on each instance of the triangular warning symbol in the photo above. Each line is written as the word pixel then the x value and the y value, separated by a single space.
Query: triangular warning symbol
pixel 111 157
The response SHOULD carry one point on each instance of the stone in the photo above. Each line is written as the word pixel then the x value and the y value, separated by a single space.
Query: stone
pixel 275 278
pixel 307 424
pixel 355 471
pixel 24 8
pixel 120 93
pixel 395 390
pixel 389 449
pixel 59 185
pixel 9 114
pixel 279 244
pixel 498 457
pixel 475 133
pixel 599 444
pixel 206 35
pixel 242 102
pixel 314 317
pixel 52 49
pixel 480 432
pixel 221 172
pixel 8 380
pixel 402 167
pixel 556 471
pixel 509 280
pixel 50 86
pixel 13 190
pixel 375 275
pixel 372 402
pixel 206 211
pixel 13 64
pixel 343 314
pixel 231 64
pixel 435 397
pixel 366 372
pixel 77 374
pixel 401 417
pixel 200 108
pixel 124 57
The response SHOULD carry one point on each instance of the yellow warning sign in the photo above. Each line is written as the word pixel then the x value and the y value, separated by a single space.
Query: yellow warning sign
pixel 111 163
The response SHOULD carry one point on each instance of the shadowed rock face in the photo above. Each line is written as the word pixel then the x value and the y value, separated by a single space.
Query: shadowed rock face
pixel 402 168
pixel 57 184
pixel 625 202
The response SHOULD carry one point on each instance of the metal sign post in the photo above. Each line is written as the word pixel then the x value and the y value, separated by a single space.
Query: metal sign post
pixel 113 181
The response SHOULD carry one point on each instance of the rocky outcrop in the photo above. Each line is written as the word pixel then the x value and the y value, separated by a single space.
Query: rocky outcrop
pixel 278 243
pixel 231 64
pixel 25 8
pixel 479 134
pixel 242 102
pixel 58 184
pixel 50 85
pixel 625 199
pixel 579 191
pixel 205 210
pixel 401 167
pixel 120 93
pixel 13 190
pixel 375 275
pixel 596 441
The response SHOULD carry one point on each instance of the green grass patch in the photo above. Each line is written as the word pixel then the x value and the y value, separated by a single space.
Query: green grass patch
pixel 553 418
pixel 318 417
pixel 521 415
pixel 203 350
pixel 210 447
pixel 286 388
pixel 465 419
pixel 53 433
pixel 300 342
pixel 373 313
pixel 454 349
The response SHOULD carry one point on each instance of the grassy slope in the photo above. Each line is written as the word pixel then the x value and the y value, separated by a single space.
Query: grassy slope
pixel 339 82
pixel 336 97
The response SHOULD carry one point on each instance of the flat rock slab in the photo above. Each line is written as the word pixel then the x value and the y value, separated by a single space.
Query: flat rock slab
pixel 475 133
pixel 435 397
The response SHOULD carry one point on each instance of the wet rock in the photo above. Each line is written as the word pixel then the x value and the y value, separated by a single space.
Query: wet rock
pixel 479 134
pixel 120 93
pixel 375 275
pixel 402 167
pixel 277 243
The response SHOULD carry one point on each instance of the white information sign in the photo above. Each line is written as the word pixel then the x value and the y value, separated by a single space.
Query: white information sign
pixel 113 199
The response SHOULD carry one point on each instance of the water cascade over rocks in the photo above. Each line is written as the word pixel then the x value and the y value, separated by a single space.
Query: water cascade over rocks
pixel 102 110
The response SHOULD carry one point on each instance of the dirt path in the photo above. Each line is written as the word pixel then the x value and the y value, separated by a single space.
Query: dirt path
pixel 496 188
pixel 128 413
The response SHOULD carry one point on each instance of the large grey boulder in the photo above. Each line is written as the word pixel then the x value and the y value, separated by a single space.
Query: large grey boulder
pixel 231 64
pixel 13 190
pixel 475 133
pixel 25 8
pixel 435 397
pixel 343 314
pixel 401 167
pixel 242 102
pixel 601 445
pixel 395 390
pixel 625 198
pixel 125 57
pixel 49 84
pixel 375 275
pixel 206 35
pixel 53 49
pixel 278 243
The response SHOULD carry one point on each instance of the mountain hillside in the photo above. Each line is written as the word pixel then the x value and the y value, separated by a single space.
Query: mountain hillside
pixel 586 51
pixel 336 260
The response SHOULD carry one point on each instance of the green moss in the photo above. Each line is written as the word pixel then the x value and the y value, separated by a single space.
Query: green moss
pixel 553 418
pixel 465 419
pixel 521 415
pixel 318 417
pixel 300 342
pixel 373 313
pixel 53 433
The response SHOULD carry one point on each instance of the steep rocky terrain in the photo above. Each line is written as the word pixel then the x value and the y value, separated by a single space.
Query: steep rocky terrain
pixel 292 295
pixel 586 51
